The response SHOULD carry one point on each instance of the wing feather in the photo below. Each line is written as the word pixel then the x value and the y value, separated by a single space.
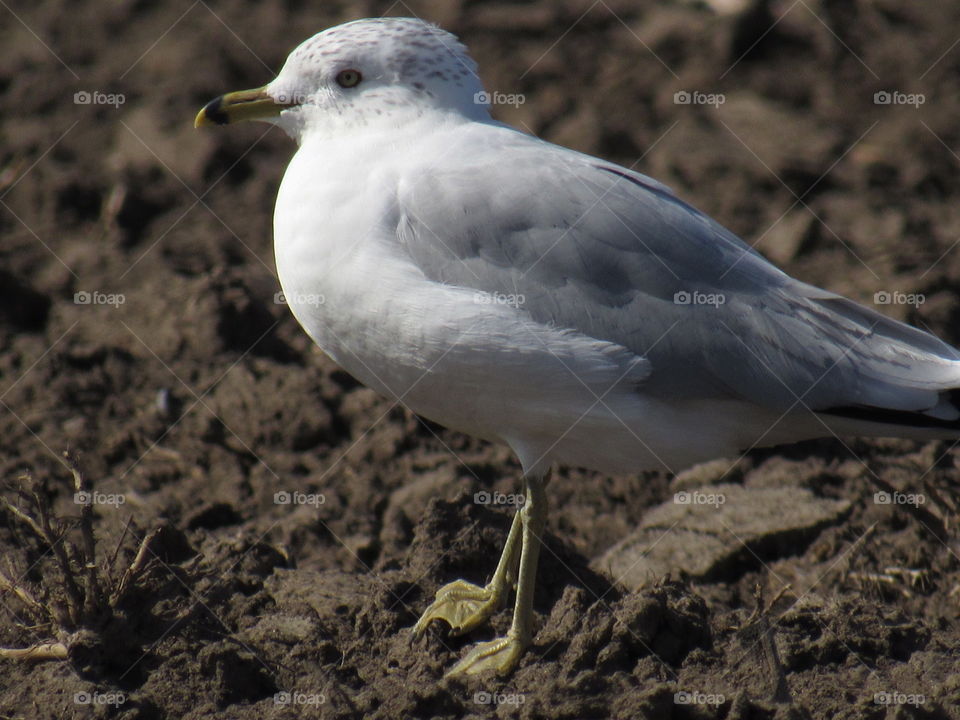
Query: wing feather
pixel 612 254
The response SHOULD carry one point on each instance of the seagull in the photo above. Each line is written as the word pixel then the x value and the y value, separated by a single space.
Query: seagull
pixel 528 294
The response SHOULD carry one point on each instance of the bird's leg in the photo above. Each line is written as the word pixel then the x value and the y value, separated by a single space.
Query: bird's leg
pixel 464 605
pixel 502 654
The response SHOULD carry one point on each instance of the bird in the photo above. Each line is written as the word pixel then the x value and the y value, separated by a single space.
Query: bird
pixel 525 293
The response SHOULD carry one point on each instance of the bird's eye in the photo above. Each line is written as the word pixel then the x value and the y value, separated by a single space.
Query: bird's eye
pixel 348 78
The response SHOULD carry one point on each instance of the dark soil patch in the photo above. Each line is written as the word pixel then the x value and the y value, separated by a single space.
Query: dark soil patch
pixel 198 398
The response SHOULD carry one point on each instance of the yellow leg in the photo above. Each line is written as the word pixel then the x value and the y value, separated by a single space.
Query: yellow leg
pixel 464 606
pixel 502 654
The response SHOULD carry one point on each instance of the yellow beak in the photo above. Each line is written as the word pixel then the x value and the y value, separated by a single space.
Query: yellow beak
pixel 239 107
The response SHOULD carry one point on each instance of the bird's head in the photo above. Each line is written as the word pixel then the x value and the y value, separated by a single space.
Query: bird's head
pixel 383 71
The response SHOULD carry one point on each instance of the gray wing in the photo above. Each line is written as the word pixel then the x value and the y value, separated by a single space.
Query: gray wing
pixel 613 254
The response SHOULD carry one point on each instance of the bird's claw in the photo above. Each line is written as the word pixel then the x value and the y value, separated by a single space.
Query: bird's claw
pixel 500 654
pixel 462 605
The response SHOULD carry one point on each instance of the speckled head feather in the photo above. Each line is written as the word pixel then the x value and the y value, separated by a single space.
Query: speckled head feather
pixel 406 67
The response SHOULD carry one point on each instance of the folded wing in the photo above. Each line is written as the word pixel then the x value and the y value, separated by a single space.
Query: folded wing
pixel 614 255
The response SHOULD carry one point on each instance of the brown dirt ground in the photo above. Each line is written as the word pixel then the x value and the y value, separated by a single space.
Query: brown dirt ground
pixel 198 397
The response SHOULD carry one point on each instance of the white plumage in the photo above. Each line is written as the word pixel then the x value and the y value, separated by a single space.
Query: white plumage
pixel 523 292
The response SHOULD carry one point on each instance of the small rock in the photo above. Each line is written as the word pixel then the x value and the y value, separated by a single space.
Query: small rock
pixel 712 532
